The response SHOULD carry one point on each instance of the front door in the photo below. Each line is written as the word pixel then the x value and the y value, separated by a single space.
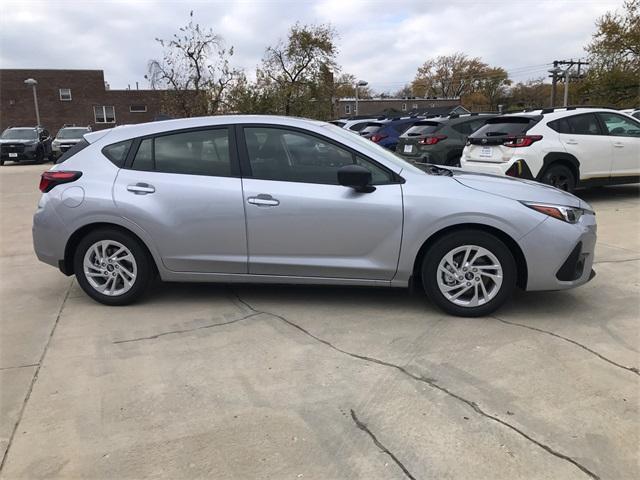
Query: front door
pixel 184 190
pixel 300 222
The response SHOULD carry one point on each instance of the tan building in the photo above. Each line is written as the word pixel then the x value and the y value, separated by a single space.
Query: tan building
pixel 380 106
pixel 78 97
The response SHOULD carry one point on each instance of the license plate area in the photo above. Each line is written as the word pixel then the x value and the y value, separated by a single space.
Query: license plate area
pixel 486 152
pixel 13 155
pixel 408 149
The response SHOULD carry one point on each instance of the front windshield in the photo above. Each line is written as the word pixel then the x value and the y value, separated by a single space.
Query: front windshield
pixel 72 133
pixel 367 144
pixel 19 134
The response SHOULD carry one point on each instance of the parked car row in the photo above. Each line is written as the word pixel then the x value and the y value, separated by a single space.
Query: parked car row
pixel 564 147
pixel 36 144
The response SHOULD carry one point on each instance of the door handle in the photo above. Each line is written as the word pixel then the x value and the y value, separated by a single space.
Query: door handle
pixel 618 145
pixel 141 188
pixel 571 141
pixel 263 200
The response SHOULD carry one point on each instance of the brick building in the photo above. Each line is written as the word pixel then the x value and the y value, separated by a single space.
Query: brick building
pixel 78 97
pixel 378 106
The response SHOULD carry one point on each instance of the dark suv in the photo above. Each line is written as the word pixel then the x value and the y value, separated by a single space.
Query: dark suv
pixel 439 140
pixel 386 132
pixel 25 143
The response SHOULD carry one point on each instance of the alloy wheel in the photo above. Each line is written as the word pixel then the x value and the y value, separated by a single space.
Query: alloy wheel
pixel 110 267
pixel 469 276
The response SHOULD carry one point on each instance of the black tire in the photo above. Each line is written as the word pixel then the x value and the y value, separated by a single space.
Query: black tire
pixel 453 159
pixel 1 163
pixel 559 176
pixel 461 238
pixel 144 264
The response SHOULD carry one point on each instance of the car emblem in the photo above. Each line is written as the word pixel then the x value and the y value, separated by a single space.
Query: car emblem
pixel 484 140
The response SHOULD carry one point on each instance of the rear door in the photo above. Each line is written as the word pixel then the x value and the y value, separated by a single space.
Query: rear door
pixel 625 139
pixel 301 222
pixel 183 188
pixel 582 136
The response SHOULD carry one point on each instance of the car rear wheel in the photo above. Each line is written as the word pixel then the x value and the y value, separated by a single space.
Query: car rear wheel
pixel 559 176
pixel 112 267
pixel 469 273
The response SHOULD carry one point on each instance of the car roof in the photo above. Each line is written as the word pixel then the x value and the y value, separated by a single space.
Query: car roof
pixel 125 132
pixel 560 112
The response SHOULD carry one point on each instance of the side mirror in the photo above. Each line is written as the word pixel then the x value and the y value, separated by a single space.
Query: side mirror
pixel 356 177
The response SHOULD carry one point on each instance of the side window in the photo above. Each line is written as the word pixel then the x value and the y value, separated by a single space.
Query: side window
pixel 463 128
pixel 144 156
pixel 202 152
pixel 476 124
pixel 290 156
pixel 585 124
pixel 561 125
pixel 619 126
pixel 117 152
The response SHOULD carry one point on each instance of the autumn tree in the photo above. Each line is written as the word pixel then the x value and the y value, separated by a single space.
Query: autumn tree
pixel 195 71
pixel 345 87
pixel 301 69
pixel 614 58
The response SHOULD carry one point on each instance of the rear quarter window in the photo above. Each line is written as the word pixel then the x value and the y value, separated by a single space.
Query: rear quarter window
pixel 117 152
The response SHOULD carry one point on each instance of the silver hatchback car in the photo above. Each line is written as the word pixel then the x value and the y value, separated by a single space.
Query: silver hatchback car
pixel 287 200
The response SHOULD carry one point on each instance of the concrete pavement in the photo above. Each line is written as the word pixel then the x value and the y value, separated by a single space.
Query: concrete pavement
pixel 317 382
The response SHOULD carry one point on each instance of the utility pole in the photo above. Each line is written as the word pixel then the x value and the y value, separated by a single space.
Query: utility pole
pixel 557 72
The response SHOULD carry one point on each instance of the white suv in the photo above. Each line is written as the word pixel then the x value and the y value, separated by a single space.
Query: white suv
pixel 567 148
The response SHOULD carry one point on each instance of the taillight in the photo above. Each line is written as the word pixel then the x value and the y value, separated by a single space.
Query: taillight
pixel 431 140
pixel 50 179
pixel 376 137
pixel 521 141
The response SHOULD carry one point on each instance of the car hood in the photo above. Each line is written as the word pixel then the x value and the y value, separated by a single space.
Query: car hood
pixel 67 140
pixel 518 189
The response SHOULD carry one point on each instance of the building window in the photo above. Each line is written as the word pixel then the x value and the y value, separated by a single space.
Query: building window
pixel 105 114
pixel 414 106
pixel 137 108
pixel 65 94
pixel 347 109
pixel 404 107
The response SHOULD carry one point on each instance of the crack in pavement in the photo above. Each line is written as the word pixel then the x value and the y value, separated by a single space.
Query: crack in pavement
pixel 364 428
pixel 186 330
pixel 35 377
pixel 577 344
pixel 617 261
pixel 432 383
pixel 19 366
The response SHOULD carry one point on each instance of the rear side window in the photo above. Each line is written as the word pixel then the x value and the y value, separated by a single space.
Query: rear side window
pixel 504 127
pixel 201 152
pixel 117 152
pixel 81 145
pixel 356 127
pixel 422 128
pixel 585 124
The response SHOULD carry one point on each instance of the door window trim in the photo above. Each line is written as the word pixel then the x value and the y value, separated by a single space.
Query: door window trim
pixel 603 123
pixel 245 163
pixel 233 151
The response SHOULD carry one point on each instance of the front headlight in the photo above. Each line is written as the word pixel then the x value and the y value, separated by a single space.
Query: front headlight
pixel 561 212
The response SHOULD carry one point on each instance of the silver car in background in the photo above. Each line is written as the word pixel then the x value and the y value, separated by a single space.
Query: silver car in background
pixel 66 138
pixel 285 200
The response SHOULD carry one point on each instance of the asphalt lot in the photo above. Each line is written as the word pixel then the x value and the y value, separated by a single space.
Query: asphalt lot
pixel 315 382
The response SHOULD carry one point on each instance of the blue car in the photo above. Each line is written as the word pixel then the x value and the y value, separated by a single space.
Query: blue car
pixel 387 132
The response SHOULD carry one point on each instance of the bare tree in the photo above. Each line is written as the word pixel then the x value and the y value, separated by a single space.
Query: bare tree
pixel 194 69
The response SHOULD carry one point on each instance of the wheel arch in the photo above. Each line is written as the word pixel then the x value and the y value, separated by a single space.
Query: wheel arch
pixel 516 251
pixel 562 158
pixel 66 265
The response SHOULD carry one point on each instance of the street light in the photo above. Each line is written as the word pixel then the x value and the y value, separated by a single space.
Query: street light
pixel 30 82
pixel 360 83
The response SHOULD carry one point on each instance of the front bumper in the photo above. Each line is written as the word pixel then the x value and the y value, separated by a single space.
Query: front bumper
pixel 560 255
pixel 17 156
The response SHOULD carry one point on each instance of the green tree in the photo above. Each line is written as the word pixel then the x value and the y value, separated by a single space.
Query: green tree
pixel 301 68
pixel 448 76
pixel 614 59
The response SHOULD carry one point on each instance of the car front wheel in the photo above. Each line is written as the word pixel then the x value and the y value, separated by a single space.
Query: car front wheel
pixel 112 267
pixel 469 273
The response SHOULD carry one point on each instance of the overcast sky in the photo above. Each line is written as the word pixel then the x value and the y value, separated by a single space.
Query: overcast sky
pixel 383 42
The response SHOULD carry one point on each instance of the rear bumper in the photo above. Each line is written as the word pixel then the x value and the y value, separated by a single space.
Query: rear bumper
pixel 49 234
pixel 491 168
